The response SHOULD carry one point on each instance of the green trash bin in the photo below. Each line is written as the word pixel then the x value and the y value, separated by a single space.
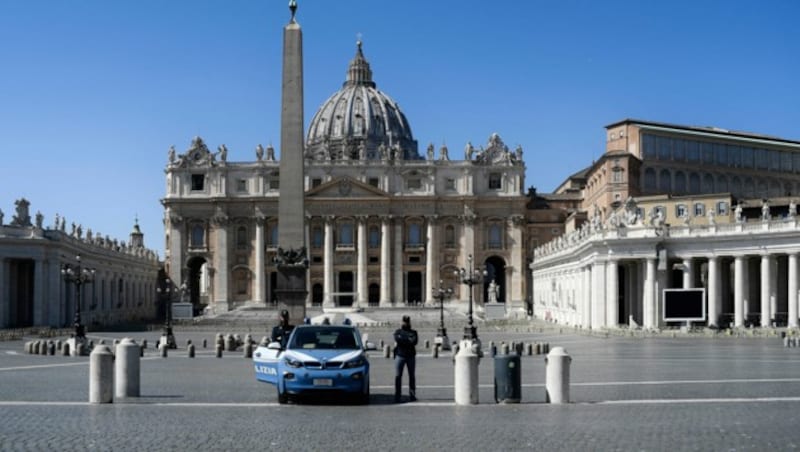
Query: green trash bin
pixel 507 378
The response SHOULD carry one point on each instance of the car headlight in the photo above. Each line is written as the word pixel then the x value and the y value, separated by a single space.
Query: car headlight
pixel 358 362
pixel 292 362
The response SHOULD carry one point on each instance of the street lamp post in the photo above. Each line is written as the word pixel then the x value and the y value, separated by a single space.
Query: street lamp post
pixel 79 276
pixel 440 294
pixel 167 294
pixel 470 277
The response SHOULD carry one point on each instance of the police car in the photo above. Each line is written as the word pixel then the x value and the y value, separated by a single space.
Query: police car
pixel 318 359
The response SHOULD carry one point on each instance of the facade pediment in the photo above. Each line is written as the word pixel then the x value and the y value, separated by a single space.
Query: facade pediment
pixel 345 187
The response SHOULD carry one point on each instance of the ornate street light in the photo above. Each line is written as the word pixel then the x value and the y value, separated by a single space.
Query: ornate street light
pixel 79 276
pixel 440 294
pixel 470 277
pixel 167 295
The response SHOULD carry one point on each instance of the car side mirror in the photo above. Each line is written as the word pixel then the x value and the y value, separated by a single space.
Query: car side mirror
pixel 370 346
pixel 274 346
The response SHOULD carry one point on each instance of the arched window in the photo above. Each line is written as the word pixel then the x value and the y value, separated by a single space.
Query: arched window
pixel 414 234
pixel 722 184
pixel 450 236
pixel 495 236
pixel 680 182
pixel 198 236
pixel 708 183
pixel 665 181
pixel 694 183
pixel 241 237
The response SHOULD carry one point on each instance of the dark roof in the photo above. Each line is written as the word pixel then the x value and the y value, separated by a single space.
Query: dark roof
pixel 706 129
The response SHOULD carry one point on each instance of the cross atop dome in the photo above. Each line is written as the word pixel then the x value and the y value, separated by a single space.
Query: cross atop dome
pixel 359 72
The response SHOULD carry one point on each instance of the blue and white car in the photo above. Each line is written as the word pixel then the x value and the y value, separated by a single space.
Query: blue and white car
pixel 317 359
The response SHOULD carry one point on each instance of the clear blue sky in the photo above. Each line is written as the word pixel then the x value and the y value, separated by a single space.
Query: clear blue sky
pixel 93 92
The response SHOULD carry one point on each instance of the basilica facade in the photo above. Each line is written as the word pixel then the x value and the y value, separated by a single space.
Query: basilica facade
pixel 385 224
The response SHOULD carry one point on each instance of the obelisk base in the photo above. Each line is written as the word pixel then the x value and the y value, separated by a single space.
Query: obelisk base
pixel 291 291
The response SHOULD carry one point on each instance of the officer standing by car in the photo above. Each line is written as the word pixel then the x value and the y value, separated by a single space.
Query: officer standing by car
pixel 405 353
pixel 281 331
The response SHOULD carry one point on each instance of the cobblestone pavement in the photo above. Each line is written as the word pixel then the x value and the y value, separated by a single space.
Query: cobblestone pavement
pixel 627 394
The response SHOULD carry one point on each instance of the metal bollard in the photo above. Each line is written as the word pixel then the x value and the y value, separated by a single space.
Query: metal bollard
pixel 387 351
pixel 162 348
pixel 248 350
pixel 503 348
pixel 101 375
pixel 466 373
pixel 219 350
pixel 557 364
pixel 190 350
pixel 127 369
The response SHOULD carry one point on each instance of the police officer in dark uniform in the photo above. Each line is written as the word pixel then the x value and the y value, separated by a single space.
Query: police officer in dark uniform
pixel 280 333
pixel 405 353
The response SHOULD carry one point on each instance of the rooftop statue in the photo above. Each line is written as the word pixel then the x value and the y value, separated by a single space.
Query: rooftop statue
pixel 443 153
pixel 259 152
pixel 468 151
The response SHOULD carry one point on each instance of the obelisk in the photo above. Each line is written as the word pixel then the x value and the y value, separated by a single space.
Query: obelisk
pixel 291 259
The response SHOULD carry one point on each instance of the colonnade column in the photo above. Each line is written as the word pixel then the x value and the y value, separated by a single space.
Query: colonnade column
pixel 612 294
pixel 598 294
pixel 688 273
pixel 714 295
pixel 766 279
pixel 40 307
pixel 792 280
pixel 386 286
pixel 431 262
pixel 649 297
pixel 586 315
pixel 738 291
pixel 361 268
pixel 327 259
pixel 221 266
pixel 398 260
pixel 260 288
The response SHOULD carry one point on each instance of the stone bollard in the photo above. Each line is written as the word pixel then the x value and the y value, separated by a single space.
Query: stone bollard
pixel 51 348
pixel 162 348
pixel 27 347
pixel 427 344
pixel 127 369
pixel 36 346
pixel 529 349
pixel 102 342
pixel 65 349
pixel 205 343
pixel 248 350
pixel 557 364
pixel 101 375
pixel 387 351
pixel 219 350
pixel 80 349
pixel 503 348
pixel 190 350
pixel 466 372
pixel 435 351
pixel 44 349
pixel 229 344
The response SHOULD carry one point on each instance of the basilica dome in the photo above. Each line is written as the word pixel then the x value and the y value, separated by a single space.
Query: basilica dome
pixel 359 122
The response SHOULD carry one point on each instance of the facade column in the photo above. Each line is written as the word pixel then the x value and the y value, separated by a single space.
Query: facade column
pixel 176 246
pixel 221 269
pixel 612 294
pixel 649 296
pixel 386 286
pixel 431 262
pixel 598 294
pixel 688 273
pixel 714 295
pixel 792 285
pixel 766 279
pixel 327 259
pixel 738 291
pixel 361 269
pixel 397 281
pixel 260 281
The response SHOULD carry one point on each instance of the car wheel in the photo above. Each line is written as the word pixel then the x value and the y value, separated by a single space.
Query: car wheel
pixel 363 398
pixel 283 398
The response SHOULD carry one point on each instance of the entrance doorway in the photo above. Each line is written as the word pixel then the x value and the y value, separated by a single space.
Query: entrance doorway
pixel 196 265
pixel 414 288
pixel 345 285
pixel 21 281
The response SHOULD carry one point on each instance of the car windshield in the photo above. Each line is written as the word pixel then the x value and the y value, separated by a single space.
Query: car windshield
pixel 324 337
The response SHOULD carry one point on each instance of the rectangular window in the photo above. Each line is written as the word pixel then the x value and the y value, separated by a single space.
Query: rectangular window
pixel 722 208
pixel 681 210
pixel 616 175
pixel 374 181
pixel 241 185
pixel 450 184
pixel 699 209
pixel 316 182
pixel 198 182
pixel 414 183
pixel 495 182
pixel 316 237
pixel 274 184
